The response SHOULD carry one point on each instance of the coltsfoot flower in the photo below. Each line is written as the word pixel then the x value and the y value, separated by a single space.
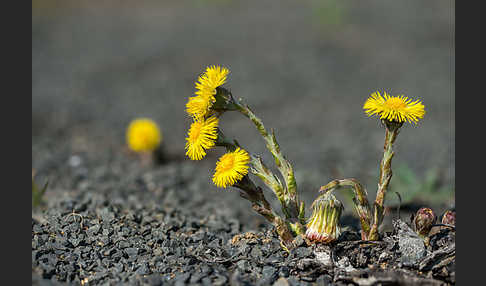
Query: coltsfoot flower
pixel 424 220
pixel 394 108
pixel 213 77
pixel 200 105
pixel 143 135
pixel 231 168
pixel 323 225
pixel 201 136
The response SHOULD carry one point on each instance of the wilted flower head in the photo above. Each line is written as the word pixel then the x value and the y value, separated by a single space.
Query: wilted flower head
pixel 423 221
pixel 231 168
pixel 449 218
pixel 143 134
pixel 394 108
pixel 323 225
pixel 201 136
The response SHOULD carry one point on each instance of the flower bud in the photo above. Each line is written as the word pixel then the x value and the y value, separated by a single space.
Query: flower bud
pixel 423 221
pixel 449 218
pixel 323 225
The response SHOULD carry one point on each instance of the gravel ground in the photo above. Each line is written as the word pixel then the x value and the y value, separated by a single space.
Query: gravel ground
pixel 130 222
pixel 95 239
pixel 305 68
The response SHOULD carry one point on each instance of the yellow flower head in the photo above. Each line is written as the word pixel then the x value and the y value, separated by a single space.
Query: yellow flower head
pixel 231 167
pixel 394 108
pixel 143 134
pixel 201 136
pixel 213 77
pixel 200 105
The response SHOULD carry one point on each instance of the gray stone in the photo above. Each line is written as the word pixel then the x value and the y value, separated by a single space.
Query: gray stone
pixel 411 246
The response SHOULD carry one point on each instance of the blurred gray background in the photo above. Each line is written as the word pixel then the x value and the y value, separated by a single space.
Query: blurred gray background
pixel 305 67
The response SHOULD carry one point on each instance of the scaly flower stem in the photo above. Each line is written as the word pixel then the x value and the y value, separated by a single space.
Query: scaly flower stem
pixel 255 195
pixel 259 169
pixel 292 202
pixel 392 130
pixel 292 207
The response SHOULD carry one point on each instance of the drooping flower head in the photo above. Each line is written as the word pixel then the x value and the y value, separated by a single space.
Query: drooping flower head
pixel 394 108
pixel 323 225
pixel 200 105
pixel 143 135
pixel 231 168
pixel 201 136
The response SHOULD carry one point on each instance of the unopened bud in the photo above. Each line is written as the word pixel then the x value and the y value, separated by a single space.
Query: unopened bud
pixel 449 218
pixel 423 221
pixel 323 225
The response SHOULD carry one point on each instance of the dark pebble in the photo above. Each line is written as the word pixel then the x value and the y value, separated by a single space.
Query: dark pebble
pixel 302 252
pixel 324 280
pixel 269 275
pixel 143 269
pixel 219 280
pixel 131 252
pixel 284 271
pixel 182 278
pixel 243 265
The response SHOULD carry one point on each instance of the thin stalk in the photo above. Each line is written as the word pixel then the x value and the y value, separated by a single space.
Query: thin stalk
pixel 392 130
pixel 270 180
pixel 292 202
pixel 292 207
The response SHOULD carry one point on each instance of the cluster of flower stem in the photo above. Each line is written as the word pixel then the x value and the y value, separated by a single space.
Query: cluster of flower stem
pixel 286 192
pixel 213 100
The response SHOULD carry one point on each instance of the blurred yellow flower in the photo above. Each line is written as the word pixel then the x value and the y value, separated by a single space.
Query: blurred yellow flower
pixel 143 134
pixel 201 136
pixel 231 167
pixel 394 108
pixel 199 106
